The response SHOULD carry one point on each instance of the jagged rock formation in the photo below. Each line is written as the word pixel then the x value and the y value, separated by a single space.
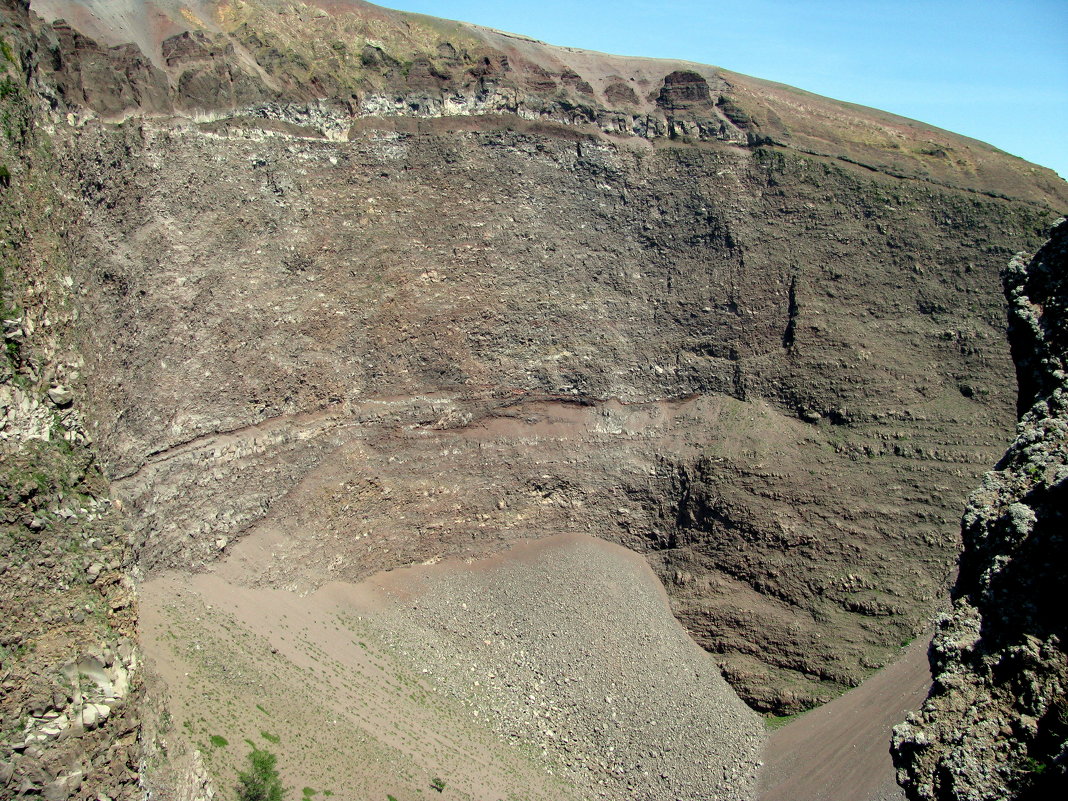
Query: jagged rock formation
pixel 327 65
pixel 373 288
pixel 766 319
pixel 70 679
pixel 996 722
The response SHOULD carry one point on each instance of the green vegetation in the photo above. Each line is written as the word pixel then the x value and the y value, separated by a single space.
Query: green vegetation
pixel 774 722
pixel 271 738
pixel 437 783
pixel 218 741
pixel 1033 766
pixel 261 782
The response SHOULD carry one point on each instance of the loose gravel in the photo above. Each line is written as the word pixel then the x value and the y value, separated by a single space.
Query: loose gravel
pixel 568 646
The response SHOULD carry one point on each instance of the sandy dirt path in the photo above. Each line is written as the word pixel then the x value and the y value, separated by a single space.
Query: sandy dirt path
pixel 840 752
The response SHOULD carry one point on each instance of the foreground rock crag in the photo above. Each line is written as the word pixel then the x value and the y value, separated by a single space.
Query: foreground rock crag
pixel 996 722
pixel 70 680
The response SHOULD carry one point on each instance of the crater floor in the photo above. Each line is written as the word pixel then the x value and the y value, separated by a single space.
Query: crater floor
pixel 552 670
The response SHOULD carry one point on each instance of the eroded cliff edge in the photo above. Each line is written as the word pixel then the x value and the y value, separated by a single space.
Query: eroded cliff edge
pixel 331 239
pixel 995 724
pixel 70 671
pixel 397 326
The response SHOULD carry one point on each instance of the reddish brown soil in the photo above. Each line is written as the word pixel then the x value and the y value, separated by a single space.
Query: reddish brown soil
pixel 840 752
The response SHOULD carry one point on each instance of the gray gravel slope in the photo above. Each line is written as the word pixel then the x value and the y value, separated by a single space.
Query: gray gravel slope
pixel 568 645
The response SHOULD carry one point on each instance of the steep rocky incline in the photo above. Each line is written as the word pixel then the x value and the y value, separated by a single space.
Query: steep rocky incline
pixel 322 289
pixel 347 60
pixel 500 335
pixel 70 683
pixel 382 287
pixel 375 288
pixel 996 722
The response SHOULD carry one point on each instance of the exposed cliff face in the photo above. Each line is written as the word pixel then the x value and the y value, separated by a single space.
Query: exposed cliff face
pixel 724 359
pixel 294 264
pixel 996 722
pixel 351 289
pixel 70 682
pixel 353 60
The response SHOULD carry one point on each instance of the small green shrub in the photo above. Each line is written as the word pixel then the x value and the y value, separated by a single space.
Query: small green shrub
pixel 1033 766
pixel 271 738
pixel 437 783
pixel 218 741
pixel 261 782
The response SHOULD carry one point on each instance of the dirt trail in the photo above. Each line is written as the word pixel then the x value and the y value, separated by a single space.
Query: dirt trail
pixel 841 751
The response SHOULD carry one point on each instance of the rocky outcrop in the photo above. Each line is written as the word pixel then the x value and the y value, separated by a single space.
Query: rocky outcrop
pixel 70 685
pixel 995 725
pixel 394 239
pixel 271 57
pixel 406 289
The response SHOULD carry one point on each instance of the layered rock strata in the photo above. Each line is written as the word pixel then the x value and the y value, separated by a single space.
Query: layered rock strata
pixel 378 288
pixel 996 722
pixel 70 671
pixel 493 326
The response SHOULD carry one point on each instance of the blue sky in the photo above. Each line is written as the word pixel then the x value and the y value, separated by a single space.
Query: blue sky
pixel 995 70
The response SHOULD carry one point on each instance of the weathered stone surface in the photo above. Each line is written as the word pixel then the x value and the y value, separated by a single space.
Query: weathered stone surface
pixel 61 396
pixel 411 291
pixel 53 498
pixel 996 722
pixel 684 89
pixel 509 273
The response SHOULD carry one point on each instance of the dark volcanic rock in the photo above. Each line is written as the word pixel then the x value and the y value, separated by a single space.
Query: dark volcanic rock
pixel 372 221
pixel 54 504
pixel 684 89
pixel 111 80
pixel 995 725
pixel 407 289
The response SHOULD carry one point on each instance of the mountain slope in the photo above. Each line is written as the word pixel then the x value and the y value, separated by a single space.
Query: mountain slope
pixel 510 253
pixel 995 724
pixel 357 289
pixel 379 62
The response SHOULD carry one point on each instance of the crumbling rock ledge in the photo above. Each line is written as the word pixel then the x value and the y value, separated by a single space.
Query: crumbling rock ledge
pixel 995 724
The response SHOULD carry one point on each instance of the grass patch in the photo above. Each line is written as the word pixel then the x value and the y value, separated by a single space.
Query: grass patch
pixel 775 722
pixel 271 738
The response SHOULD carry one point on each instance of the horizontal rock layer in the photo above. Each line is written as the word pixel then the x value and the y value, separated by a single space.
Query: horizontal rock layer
pixel 996 722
